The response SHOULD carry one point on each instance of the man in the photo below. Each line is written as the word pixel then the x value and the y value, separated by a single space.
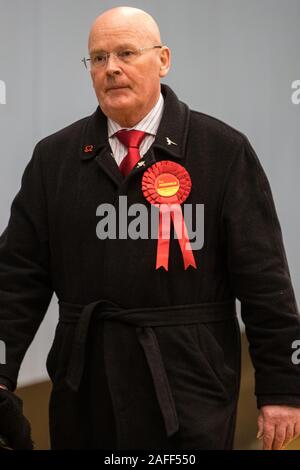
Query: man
pixel 147 356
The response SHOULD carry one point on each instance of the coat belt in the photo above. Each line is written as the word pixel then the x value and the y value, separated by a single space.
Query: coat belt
pixel 144 320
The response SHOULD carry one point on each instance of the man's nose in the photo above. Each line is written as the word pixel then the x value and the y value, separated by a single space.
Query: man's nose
pixel 112 65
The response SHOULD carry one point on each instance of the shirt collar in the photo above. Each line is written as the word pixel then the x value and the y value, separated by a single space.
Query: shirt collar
pixel 149 123
pixel 171 137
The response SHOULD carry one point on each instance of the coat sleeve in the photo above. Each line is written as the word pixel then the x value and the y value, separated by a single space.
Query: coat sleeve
pixel 25 282
pixel 260 278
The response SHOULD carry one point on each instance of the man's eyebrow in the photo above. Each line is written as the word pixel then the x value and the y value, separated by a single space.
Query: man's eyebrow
pixel 126 45
pixel 97 51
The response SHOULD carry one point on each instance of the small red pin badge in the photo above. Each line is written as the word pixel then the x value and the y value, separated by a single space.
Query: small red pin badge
pixel 88 148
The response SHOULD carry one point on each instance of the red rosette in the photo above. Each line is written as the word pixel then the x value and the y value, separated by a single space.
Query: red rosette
pixel 166 182
pixel 166 185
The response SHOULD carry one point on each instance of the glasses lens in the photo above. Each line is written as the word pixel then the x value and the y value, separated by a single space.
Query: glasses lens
pixel 127 55
pixel 124 55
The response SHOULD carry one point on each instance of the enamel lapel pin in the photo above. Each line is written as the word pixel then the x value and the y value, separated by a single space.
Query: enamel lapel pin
pixel 170 142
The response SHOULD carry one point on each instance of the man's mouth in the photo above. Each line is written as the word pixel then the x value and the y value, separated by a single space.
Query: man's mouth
pixel 116 87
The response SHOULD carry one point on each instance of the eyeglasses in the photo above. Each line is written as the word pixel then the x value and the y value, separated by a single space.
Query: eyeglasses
pixel 127 56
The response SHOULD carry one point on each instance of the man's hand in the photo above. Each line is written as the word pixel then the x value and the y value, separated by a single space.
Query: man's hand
pixel 14 427
pixel 278 425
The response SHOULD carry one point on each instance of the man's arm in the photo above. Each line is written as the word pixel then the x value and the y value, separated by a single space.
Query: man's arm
pixel 25 282
pixel 25 293
pixel 261 280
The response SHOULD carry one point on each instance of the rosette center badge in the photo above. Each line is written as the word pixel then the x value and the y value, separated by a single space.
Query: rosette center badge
pixel 167 185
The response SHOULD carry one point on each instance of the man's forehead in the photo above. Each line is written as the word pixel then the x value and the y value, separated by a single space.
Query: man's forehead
pixel 111 36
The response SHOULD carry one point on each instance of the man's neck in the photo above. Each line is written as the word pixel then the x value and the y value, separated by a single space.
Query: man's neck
pixel 132 121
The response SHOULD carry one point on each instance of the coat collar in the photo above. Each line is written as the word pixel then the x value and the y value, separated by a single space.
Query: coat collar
pixel 171 135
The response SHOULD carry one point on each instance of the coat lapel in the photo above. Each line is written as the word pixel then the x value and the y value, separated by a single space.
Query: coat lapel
pixel 172 133
pixel 95 145
pixel 109 165
pixel 170 141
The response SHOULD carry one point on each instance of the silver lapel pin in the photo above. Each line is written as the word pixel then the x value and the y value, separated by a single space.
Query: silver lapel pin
pixel 170 142
pixel 142 163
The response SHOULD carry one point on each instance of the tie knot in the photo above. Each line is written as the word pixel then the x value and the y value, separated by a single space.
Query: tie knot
pixel 130 139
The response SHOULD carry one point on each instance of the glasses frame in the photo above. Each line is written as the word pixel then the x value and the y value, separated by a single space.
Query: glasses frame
pixel 88 65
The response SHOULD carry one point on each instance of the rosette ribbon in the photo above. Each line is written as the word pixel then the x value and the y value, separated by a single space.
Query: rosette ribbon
pixel 167 185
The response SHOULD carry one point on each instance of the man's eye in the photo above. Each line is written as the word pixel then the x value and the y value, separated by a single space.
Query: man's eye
pixel 126 54
pixel 98 59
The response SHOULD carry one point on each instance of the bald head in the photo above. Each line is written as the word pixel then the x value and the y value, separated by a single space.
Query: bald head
pixel 140 23
pixel 127 83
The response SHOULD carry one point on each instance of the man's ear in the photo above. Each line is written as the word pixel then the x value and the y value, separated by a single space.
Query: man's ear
pixel 165 59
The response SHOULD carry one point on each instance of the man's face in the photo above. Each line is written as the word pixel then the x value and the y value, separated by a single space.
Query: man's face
pixel 126 91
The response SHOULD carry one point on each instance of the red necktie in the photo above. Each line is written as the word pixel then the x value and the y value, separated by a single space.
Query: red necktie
pixel 132 140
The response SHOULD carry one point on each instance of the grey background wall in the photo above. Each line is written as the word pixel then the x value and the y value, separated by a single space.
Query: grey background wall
pixel 234 59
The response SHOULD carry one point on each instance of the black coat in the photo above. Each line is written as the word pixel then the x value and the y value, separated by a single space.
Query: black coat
pixel 167 341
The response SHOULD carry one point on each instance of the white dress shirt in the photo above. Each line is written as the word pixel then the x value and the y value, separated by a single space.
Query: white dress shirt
pixel 148 124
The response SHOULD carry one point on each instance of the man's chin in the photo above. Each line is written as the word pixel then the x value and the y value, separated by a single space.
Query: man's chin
pixel 118 94
pixel 118 103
